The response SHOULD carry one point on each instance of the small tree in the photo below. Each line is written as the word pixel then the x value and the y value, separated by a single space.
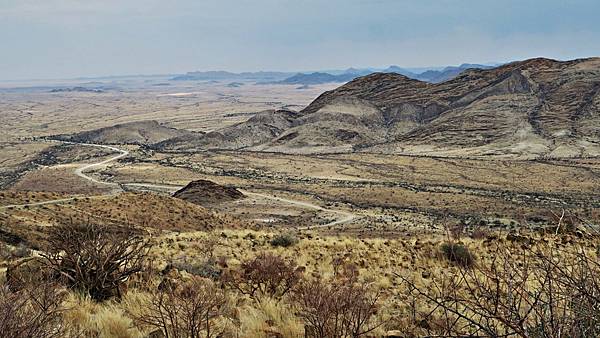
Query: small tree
pixel 95 259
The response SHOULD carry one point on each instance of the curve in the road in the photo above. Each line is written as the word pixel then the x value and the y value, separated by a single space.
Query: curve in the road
pixel 345 216
pixel 81 170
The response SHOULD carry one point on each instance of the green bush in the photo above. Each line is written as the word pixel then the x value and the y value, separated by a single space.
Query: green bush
pixel 458 254
pixel 284 240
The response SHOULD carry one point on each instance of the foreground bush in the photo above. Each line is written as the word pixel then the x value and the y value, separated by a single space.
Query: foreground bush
pixel 190 309
pixel 542 292
pixel 337 307
pixel 31 313
pixel 95 259
pixel 264 275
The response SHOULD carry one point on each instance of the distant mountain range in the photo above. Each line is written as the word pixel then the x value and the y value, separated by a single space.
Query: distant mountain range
pixel 432 75
pixel 318 78
pixel 228 76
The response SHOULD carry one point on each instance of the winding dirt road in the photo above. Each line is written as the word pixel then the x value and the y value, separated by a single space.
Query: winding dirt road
pixel 80 170
pixel 344 216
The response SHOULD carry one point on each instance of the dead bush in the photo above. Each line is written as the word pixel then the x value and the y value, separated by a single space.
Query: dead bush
pixel 189 309
pixel 342 307
pixel 264 275
pixel 95 259
pixel 538 292
pixel 31 313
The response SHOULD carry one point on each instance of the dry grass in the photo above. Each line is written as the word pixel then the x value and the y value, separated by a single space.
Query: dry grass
pixel 61 180
pixel 157 212
pixel 384 263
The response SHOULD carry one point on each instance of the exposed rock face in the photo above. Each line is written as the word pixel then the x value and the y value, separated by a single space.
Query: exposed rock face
pixel 205 192
pixel 141 132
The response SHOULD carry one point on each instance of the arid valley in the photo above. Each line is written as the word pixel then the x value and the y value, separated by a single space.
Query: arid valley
pixel 395 206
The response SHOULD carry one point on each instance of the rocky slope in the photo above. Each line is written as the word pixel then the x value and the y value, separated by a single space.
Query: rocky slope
pixel 533 108
pixel 259 129
pixel 139 132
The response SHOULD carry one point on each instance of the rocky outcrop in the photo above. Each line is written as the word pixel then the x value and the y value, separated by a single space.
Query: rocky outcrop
pixel 205 193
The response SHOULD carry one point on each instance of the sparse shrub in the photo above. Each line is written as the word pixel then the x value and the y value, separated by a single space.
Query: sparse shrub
pixel 33 312
pixel 343 269
pixel 268 317
pixel 191 309
pixel 337 307
pixel 249 236
pixel 458 254
pixel 264 275
pixel 87 319
pixel 480 233
pixel 284 240
pixel 95 259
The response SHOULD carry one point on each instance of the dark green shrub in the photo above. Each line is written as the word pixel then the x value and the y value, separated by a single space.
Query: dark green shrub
pixel 284 240
pixel 458 254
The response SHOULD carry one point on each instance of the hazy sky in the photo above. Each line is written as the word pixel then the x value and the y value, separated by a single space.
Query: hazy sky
pixel 70 38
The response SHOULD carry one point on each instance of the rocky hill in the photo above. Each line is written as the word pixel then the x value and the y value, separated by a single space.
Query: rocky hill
pixel 223 75
pixel 448 73
pixel 433 76
pixel 205 192
pixel 139 132
pixel 259 129
pixel 533 108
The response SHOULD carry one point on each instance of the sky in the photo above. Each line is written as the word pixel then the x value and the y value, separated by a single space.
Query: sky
pixel 84 38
